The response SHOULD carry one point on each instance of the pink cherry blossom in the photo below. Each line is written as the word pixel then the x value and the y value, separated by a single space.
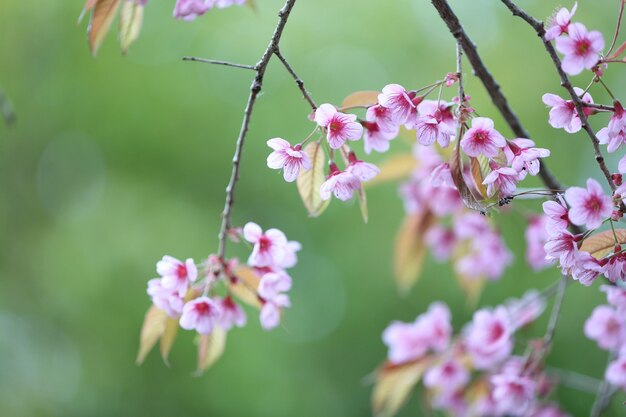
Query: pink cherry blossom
pixel 227 3
pixel 616 372
pixel 190 9
pixel 274 283
pixel 590 206
pixel 606 327
pixel 377 137
pixel 557 218
pixel 615 268
pixel 522 155
pixel 269 247
pixel 364 171
pixel 442 175
pixel 614 135
pixel 621 167
pixel 536 235
pixel 399 101
pixel 563 113
pixel 342 184
pixel 527 309
pixel 441 242
pixel 581 49
pixel 502 180
pixel 290 258
pixel 231 313
pixel 488 337
pixel 177 275
pixel 271 311
pixel 201 314
pixel 615 296
pixel 165 299
pixel 435 123
pixel 586 269
pixel 482 138
pixel 449 375
pixel 564 247
pixel 339 126
pixel 513 394
pixel 559 24
pixel 291 159
pixel 437 323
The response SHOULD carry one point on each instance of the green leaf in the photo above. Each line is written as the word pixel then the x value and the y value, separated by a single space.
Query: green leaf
pixel 210 348
pixel 309 182
pixel 131 18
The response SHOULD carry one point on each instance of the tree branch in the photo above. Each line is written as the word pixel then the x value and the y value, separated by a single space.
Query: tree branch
pixel 565 82
pixel 255 89
pixel 297 79
pixel 217 62
pixel 490 84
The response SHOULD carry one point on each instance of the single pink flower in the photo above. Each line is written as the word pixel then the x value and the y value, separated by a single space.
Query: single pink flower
pixel 557 215
pixel 201 314
pixel 527 309
pixel 488 337
pixel 590 206
pixel 581 49
pixel 290 258
pixel 502 180
pixel 621 167
pixel 559 23
pixel 227 3
pixel 377 137
pixel 339 126
pixel 177 275
pixel 399 101
pixel 606 327
pixel 340 183
pixel 441 242
pixel 165 299
pixel 273 284
pixel 585 270
pixel 269 247
pixel 442 176
pixel 449 376
pixel 363 171
pixel 563 113
pixel 513 394
pixel 615 296
pixel 522 155
pixel 615 268
pixel 190 9
pixel 482 138
pixel 536 235
pixel 614 135
pixel 435 123
pixel 616 372
pixel 231 313
pixel 291 159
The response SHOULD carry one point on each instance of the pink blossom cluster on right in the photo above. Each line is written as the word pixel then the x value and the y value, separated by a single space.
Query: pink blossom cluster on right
pixel 191 9
pixel 476 372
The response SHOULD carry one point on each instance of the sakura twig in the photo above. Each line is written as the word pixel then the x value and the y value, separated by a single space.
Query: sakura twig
pixel 539 28
pixel 580 382
pixel 297 79
pixel 490 84
pixel 217 62
pixel 617 26
pixel 602 107
pixel 603 396
pixel 255 89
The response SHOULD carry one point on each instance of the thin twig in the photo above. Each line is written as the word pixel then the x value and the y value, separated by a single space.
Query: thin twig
pixel 603 396
pixel 603 107
pixel 298 80
pixel 565 82
pixel 490 84
pixel 571 379
pixel 548 337
pixel 255 89
pixel 459 73
pixel 217 62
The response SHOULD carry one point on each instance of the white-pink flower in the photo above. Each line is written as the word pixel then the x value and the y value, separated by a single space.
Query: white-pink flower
pixel 502 180
pixel 227 3
pixel 380 129
pixel 271 311
pixel 201 314
pixel 589 206
pixel 190 9
pixel 364 171
pixel 448 376
pixel 522 155
pixel 513 394
pixel 527 309
pixel 581 49
pixel 536 235
pixel 435 123
pixel 614 135
pixel 482 138
pixel 616 372
pixel 615 296
pixel 339 126
pixel 273 284
pixel 606 327
pixel 488 337
pixel 399 101
pixel 563 113
pixel 177 275
pixel 564 247
pixel 559 24
pixel 340 183
pixel 231 313
pixel 441 242
pixel 557 215
pixel 165 299
pixel 291 159
pixel 269 247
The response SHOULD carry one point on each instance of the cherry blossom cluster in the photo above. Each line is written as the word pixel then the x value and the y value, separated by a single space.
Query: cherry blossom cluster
pixel 190 9
pixel 204 296
pixel 477 371
pixel 607 327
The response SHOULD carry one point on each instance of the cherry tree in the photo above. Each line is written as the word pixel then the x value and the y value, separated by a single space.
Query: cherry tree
pixel 461 177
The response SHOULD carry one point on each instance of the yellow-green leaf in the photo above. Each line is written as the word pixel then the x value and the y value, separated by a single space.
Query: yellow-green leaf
pixel 360 99
pixel 101 19
pixel 131 18
pixel 478 177
pixel 309 182
pixel 88 6
pixel 600 244
pixel 363 204
pixel 152 329
pixel 210 348
pixel 472 288
pixel 410 250
pixel 394 168
pixel 394 385
pixel 168 337
pixel 456 170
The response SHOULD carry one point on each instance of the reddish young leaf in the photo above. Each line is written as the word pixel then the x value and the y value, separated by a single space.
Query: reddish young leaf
pixel 101 19
pixel 394 168
pixel 601 244
pixel 246 285
pixel 360 99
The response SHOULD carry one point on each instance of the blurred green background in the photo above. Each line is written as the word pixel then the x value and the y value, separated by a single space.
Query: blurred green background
pixel 115 161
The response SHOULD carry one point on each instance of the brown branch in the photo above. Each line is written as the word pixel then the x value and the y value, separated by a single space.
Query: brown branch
pixel 305 94
pixel 490 84
pixel 218 62
pixel 539 28
pixel 255 89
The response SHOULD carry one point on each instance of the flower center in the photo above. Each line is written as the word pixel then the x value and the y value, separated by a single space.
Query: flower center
pixel 181 271
pixel 582 47
pixel 264 243
pixel 202 308
pixel 335 126
pixel 481 136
